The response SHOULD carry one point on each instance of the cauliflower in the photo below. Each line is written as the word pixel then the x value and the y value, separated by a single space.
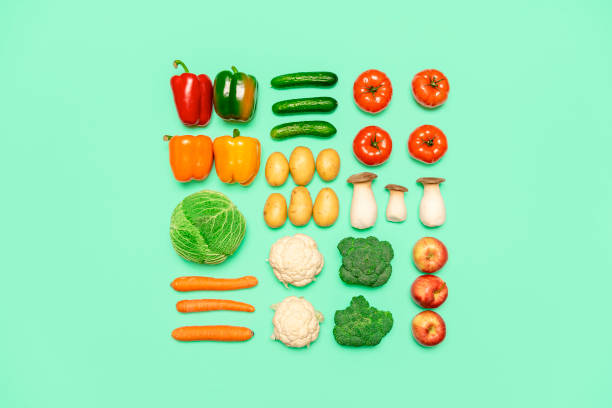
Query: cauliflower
pixel 296 323
pixel 295 260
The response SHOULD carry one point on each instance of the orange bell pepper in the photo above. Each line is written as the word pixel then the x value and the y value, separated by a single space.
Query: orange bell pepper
pixel 237 158
pixel 191 157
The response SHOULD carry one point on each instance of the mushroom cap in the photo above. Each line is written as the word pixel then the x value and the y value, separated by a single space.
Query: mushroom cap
pixel 396 187
pixel 430 180
pixel 361 177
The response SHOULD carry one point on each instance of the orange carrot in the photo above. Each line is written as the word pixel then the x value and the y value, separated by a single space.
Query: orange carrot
pixel 212 333
pixel 204 305
pixel 189 283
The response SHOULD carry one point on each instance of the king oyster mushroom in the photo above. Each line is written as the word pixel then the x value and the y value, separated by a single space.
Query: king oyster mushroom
pixel 432 211
pixel 396 208
pixel 363 206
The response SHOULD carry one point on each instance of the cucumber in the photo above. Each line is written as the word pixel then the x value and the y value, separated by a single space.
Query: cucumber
pixel 303 105
pixel 304 79
pixel 318 128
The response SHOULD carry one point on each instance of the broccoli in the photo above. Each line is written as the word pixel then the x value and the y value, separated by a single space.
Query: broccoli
pixel 365 261
pixel 361 325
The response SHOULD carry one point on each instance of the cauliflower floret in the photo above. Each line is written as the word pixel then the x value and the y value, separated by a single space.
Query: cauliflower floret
pixel 296 322
pixel 295 260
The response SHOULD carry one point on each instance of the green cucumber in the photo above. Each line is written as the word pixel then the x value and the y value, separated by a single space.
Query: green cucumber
pixel 304 79
pixel 304 105
pixel 318 128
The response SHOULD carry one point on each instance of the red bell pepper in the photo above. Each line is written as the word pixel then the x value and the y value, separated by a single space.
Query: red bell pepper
pixel 192 96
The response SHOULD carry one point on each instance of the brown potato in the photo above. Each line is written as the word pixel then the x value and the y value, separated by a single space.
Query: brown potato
pixel 326 207
pixel 277 169
pixel 300 206
pixel 328 164
pixel 301 165
pixel 275 210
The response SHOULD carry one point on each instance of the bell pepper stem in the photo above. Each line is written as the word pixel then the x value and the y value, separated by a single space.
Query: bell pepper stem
pixel 236 133
pixel 234 69
pixel 167 137
pixel 177 62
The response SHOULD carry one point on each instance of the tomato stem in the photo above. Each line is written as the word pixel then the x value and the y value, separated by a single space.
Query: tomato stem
pixel 374 143
pixel 430 142
pixel 434 83
pixel 372 89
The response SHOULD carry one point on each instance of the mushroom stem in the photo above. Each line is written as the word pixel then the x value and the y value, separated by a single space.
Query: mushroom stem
pixel 432 211
pixel 396 208
pixel 363 205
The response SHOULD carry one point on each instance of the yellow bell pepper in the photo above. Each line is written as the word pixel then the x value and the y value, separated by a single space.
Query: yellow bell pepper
pixel 237 158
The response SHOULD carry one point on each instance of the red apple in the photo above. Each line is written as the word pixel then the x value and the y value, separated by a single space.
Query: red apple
pixel 429 291
pixel 429 254
pixel 428 328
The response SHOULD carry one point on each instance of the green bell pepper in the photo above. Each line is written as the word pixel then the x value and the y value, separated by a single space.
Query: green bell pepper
pixel 235 95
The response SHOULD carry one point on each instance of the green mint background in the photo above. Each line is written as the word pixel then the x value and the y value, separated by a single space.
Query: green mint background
pixel 86 306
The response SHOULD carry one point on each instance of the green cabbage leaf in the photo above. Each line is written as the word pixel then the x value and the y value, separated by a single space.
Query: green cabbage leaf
pixel 206 227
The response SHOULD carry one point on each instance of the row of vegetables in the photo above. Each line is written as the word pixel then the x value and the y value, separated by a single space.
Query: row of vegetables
pixel 237 157
pixel 206 227
pixel 234 94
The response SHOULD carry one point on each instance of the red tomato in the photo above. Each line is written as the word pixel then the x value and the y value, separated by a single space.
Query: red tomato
pixel 427 144
pixel 430 88
pixel 372 146
pixel 372 91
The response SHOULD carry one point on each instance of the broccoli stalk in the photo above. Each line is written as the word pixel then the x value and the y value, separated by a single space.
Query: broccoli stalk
pixel 361 325
pixel 365 261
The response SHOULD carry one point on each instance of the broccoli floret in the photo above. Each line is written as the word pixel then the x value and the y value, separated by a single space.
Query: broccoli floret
pixel 361 325
pixel 365 261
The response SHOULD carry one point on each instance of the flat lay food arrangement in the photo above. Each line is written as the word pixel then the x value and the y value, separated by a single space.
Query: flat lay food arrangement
pixel 284 204
pixel 207 227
